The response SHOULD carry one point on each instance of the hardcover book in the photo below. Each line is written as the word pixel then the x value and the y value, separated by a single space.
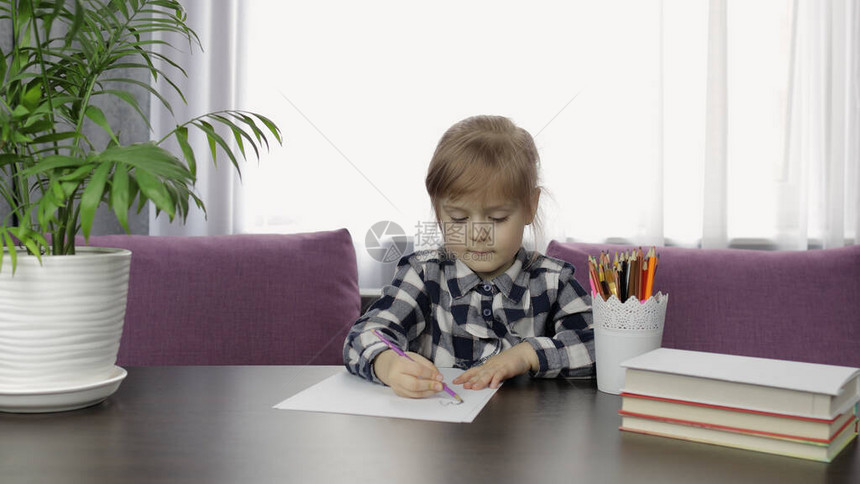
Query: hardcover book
pixel 738 419
pixel 768 385
pixel 804 449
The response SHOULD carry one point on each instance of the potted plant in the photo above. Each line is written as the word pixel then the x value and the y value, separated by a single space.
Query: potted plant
pixel 54 175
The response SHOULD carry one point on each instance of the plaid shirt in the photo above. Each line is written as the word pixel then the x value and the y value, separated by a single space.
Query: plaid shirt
pixel 439 308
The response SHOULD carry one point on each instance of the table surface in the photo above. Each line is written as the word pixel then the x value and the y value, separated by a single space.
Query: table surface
pixel 216 424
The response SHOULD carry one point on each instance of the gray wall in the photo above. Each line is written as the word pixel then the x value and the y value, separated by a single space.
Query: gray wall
pixel 130 129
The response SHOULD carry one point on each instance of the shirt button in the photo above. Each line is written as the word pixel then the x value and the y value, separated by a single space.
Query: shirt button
pixel 488 312
pixel 488 287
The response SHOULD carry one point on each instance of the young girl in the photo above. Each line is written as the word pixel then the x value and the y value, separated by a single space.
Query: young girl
pixel 482 302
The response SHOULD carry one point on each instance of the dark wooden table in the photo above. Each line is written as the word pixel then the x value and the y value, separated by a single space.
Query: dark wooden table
pixel 217 424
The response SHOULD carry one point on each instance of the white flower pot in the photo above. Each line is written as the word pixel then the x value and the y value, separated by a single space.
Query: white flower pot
pixel 61 321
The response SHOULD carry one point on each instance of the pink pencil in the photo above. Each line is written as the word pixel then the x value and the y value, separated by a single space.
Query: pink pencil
pixel 401 353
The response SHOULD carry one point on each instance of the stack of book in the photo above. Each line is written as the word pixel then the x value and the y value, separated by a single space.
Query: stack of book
pixel 803 410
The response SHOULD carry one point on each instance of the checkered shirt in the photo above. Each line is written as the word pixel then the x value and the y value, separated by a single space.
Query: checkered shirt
pixel 439 308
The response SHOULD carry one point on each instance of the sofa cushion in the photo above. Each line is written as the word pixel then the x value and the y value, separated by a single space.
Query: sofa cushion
pixel 795 305
pixel 238 299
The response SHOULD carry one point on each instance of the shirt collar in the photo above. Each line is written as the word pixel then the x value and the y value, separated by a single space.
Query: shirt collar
pixel 512 283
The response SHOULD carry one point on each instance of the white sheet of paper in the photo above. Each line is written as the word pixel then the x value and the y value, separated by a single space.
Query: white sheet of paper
pixel 349 394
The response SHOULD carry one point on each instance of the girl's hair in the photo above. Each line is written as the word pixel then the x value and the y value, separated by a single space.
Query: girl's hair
pixel 485 156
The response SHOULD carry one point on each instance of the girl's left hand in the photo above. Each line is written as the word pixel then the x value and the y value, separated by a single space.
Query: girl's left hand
pixel 507 364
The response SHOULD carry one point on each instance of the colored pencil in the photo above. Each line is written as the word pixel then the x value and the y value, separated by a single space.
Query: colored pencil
pixel 628 274
pixel 401 353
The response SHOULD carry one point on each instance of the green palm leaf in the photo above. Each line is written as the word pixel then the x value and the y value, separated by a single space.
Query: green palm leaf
pixel 54 176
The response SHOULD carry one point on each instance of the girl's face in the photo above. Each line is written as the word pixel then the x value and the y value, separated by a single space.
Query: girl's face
pixel 484 234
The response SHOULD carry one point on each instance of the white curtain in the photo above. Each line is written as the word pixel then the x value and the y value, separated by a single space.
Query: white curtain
pixel 210 86
pixel 715 190
pixel 810 196
pixel 819 177
pixel 696 123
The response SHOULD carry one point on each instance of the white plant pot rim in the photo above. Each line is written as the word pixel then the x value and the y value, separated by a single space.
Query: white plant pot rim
pixel 85 251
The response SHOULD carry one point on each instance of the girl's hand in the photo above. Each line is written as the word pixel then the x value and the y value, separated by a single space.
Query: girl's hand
pixel 412 379
pixel 507 364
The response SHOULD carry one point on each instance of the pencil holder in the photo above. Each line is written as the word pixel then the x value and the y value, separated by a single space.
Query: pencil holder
pixel 622 331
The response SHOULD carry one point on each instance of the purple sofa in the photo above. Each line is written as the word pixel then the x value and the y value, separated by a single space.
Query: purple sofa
pixel 238 299
pixel 798 305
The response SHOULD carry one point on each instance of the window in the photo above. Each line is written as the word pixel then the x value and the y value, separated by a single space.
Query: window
pixel 614 94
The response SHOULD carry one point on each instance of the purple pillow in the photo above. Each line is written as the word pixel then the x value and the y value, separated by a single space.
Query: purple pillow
pixel 238 299
pixel 794 305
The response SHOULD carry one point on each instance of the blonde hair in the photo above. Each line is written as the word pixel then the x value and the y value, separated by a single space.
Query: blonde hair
pixel 485 156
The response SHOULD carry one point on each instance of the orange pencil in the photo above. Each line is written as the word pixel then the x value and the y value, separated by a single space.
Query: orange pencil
pixel 652 268
pixel 597 286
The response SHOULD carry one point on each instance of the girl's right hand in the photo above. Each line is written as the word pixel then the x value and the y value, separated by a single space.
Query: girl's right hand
pixel 412 379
